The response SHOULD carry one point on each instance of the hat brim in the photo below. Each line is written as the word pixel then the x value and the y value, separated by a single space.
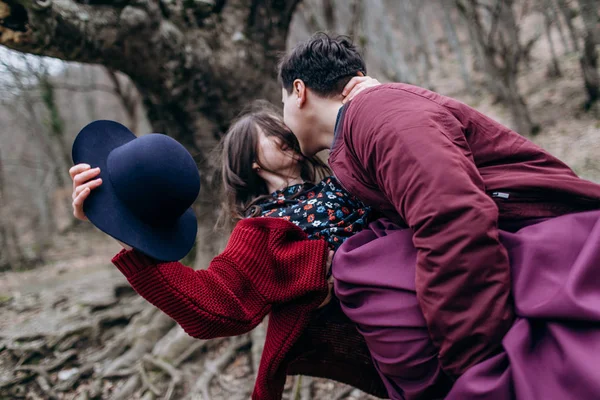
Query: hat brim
pixel 169 242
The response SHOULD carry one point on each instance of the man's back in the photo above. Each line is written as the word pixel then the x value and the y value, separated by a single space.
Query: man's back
pixel 507 162
pixel 450 174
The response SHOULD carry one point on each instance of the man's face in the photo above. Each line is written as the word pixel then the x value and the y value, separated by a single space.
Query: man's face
pixel 295 118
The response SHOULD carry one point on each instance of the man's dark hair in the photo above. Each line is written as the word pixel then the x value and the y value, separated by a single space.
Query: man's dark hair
pixel 325 64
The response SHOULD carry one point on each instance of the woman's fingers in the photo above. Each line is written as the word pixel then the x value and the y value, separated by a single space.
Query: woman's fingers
pixel 352 84
pixel 329 281
pixel 82 175
pixel 85 176
pixel 78 204
pixel 76 169
pixel 365 83
pixel 88 185
pixel 329 262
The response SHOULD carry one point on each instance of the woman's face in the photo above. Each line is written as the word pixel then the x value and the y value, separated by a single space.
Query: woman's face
pixel 276 156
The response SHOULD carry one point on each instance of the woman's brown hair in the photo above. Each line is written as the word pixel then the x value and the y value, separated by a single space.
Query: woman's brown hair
pixel 243 187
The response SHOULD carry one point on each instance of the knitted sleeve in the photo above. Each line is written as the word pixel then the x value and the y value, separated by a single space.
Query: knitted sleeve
pixel 281 261
pixel 209 303
pixel 264 264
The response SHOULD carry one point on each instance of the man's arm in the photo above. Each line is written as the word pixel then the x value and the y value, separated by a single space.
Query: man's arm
pixel 463 273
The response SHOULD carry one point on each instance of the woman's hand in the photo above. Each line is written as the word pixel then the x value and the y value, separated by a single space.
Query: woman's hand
pixel 357 85
pixel 83 183
pixel 329 281
pixel 82 175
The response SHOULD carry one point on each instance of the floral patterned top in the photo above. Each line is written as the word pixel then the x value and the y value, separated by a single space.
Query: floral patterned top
pixel 324 210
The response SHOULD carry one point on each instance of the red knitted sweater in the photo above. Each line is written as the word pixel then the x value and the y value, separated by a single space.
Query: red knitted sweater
pixel 268 266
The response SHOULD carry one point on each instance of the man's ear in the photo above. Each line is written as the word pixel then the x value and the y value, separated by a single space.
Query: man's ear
pixel 359 73
pixel 300 91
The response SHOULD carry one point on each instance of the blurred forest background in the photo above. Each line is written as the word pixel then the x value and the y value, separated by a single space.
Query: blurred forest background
pixel 71 327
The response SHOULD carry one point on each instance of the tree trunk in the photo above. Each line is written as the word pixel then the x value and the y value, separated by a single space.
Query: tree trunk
pixel 553 68
pixel 518 108
pixel 54 120
pixel 11 256
pixel 356 27
pixel 329 13
pixel 568 16
pixel 589 67
pixel 428 33
pixel 426 57
pixel 396 68
pixel 591 21
pixel 195 63
pixel 589 56
pixel 44 226
pixel 555 13
pixel 455 44
pixel 477 51
pixel 417 52
pixel 502 53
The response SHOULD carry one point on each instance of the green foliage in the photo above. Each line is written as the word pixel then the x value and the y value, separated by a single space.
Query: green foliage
pixel 54 122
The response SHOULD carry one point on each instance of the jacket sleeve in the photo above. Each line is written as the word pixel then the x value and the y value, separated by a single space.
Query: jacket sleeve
pixel 463 274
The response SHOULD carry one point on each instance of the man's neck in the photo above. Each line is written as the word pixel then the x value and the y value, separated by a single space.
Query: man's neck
pixel 325 121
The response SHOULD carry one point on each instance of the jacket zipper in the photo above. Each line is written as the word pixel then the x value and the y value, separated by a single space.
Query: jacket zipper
pixel 531 197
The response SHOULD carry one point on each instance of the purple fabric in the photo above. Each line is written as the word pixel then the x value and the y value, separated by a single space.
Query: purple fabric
pixel 551 352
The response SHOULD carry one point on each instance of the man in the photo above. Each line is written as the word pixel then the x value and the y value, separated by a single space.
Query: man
pixel 443 169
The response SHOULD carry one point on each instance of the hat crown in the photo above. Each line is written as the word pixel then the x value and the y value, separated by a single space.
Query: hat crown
pixel 155 177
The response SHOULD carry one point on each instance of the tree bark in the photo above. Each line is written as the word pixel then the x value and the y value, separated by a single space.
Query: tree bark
pixel 356 28
pixel 54 120
pixel 11 256
pixel 428 31
pixel 329 13
pixel 195 63
pixel 417 52
pixel 395 66
pixel 502 54
pixel 555 12
pixel 589 55
pixel 568 16
pixel 553 68
pixel 591 21
pixel 455 44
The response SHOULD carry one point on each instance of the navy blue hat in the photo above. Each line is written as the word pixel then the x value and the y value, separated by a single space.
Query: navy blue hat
pixel 148 186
